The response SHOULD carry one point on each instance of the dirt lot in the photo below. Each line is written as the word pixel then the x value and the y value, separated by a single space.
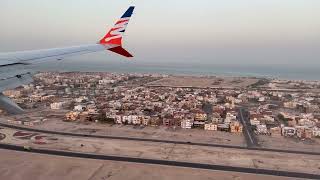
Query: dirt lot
pixel 190 135
pixel 204 82
pixel 18 165
pixel 165 151
pixel 162 133
pixel 290 143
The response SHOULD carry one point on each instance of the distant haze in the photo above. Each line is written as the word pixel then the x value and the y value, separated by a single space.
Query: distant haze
pixel 208 32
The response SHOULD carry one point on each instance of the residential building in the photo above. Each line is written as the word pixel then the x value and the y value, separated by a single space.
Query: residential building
pixel 57 105
pixel 211 127
pixel 275 131
pixel 236 127
pixel 79 108
pixel 146 120
pixel 186 123
pixel 223 127
pixel 288 131
pixel 261 129
pixel 72 116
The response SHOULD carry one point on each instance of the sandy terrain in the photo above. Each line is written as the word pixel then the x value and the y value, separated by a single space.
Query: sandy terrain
pixel 22 165
pixel 164 133
pixel 290 143
pixel 164 151
pixel 204 82
pixel 161 133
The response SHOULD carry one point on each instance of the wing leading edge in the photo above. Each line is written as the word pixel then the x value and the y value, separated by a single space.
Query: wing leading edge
pixel 111 41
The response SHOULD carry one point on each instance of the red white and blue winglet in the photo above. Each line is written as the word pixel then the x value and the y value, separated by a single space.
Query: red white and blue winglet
pixel 115 34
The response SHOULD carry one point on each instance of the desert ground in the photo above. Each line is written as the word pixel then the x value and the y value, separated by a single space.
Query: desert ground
pixel 164 133
pixel 204 82
pixel 18 165
pixel 166 151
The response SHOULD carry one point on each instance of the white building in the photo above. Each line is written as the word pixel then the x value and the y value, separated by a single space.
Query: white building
pixel 79 108
pixel 81 99
pixel 67 90
pixel 306 122
pixel 118 119
pixel 229 117
pixel 261 99
pixel 106 81
pixel 288 131
pixel 316 132
pixel 261 129
pixel 135 119
pixel 12 93
pixel 125 119
pixel 57 105
pixel 290 104
pixel 210 127
pixel 217 120
pixel 254 122
pixel 186 123
pixel 268 118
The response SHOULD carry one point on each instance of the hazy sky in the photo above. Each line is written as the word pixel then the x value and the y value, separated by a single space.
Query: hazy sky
pixel 283 32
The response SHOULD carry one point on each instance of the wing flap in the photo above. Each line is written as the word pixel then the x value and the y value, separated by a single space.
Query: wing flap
pixel 9 106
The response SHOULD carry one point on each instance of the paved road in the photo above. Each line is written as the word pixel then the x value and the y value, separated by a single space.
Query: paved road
pixel 207 108
pixel 247 131
pixel 164 162
pixel 153 140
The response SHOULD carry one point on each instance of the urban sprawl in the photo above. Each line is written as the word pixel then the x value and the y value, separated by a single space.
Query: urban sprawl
pixel 273 107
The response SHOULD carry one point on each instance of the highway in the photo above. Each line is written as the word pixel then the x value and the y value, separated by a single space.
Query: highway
pixel 163 162
pixel 153 140
pixel 247 131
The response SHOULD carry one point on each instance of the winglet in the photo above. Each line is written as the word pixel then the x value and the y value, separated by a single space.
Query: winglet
pixel 128 13
pixel 115 34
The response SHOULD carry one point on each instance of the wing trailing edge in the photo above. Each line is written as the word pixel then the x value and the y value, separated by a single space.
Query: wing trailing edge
pixel 8 105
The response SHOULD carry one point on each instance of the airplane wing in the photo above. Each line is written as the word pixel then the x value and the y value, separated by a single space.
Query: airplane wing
pixel 14 69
